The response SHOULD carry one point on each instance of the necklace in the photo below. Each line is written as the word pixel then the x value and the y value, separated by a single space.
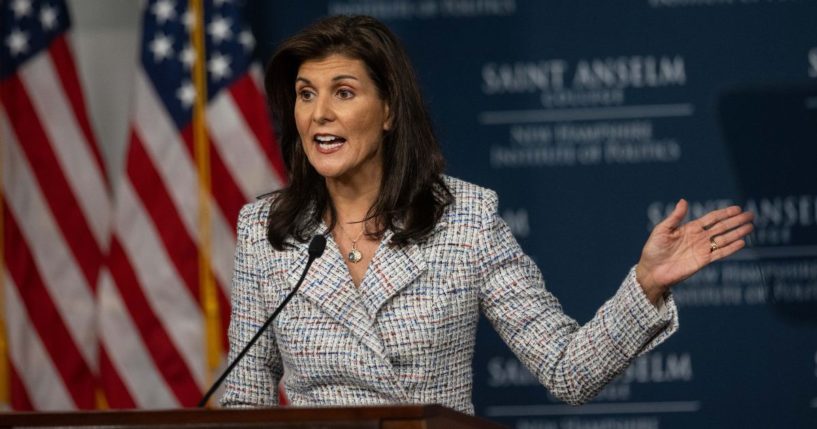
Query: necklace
pixel 354 255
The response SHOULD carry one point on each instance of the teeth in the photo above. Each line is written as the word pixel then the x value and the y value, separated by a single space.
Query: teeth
pixel 330 145
pixel 324 139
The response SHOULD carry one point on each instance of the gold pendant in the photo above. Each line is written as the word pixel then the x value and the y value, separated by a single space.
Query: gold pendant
pixel 355 256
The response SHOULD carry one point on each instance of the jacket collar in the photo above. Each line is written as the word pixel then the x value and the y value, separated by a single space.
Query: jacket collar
pixel 390 271
pixel 328 285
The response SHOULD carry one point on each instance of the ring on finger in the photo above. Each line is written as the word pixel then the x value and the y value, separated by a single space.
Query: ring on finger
pixel 713 246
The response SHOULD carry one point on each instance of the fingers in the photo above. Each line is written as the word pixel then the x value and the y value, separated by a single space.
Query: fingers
pixel 725 228
pixel 727 250
pixel 727 238
pixel 730 223
pixel 677 216
pixel 709 220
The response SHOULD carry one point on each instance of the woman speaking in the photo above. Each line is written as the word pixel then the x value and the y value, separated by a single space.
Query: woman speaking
pixel 389 313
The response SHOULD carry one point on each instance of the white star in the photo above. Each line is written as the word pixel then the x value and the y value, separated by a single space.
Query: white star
pixel 17 42
pixel 219 66
pixel 21 8
pixel 189 20
pixel 48 17
pixel 219 29
pixel 162 47
pixel 186 94
pixel 246 40
pixel 188 57
pixel 164 11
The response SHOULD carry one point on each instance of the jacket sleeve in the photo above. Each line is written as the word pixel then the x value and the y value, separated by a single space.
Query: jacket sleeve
pixel 254 381
pixel 574 362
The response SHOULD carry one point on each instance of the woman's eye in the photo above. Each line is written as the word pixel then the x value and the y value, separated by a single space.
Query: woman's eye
pixel 305 95
pixel 345 93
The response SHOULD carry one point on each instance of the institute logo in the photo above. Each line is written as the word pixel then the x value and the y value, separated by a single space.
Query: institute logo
pixel 577 113
pixel 587 82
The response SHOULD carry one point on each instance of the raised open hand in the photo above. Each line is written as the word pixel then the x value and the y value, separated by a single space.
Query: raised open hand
pixel 675 251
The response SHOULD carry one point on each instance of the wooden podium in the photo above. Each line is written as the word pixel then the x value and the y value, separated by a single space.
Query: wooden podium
pixel 386 417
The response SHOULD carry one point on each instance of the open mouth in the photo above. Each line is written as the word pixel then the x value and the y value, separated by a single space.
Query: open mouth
pixel 328 142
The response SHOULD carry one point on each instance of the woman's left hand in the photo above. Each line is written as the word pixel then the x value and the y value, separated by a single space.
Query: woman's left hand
pixel 675 251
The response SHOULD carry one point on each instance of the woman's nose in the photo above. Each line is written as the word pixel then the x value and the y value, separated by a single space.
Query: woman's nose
pixel 323 110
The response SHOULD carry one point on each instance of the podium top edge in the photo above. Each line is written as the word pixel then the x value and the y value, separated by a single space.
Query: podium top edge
pixel 192 416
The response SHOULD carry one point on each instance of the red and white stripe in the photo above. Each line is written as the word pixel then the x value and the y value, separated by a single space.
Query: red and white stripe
pixel 55 225
pixel 152 326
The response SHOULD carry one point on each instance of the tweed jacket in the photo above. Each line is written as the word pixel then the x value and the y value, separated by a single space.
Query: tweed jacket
pixel 406 334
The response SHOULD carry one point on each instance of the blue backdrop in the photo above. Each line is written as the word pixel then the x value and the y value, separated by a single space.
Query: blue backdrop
pixel 590 119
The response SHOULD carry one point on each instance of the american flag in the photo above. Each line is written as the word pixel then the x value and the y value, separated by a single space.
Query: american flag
pixel 106 307
pixel 54 214
pixel 152 332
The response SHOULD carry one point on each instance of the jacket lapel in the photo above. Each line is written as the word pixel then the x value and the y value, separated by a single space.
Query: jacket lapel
pixel 391 270
pixel 329 287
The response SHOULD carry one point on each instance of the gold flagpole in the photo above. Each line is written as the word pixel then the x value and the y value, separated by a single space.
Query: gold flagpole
pixel 207 285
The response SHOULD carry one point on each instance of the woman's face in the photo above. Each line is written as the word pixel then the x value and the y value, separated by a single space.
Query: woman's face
pixel 340 118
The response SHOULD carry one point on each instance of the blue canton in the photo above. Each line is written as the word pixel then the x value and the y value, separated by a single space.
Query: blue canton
pixel 168 56
pixel 28 27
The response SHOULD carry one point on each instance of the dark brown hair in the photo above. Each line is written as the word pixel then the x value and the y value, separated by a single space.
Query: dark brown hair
pixel 412 194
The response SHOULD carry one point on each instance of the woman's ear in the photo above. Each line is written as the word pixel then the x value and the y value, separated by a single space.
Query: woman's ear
pixel 387 124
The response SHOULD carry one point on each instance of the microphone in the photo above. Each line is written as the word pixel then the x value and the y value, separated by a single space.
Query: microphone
pixel 316 248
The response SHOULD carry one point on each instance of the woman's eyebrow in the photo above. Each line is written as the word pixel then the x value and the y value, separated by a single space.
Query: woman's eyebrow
pixel 334 79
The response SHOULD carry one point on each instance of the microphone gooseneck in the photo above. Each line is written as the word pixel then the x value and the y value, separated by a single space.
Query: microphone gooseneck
pixel 316 248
